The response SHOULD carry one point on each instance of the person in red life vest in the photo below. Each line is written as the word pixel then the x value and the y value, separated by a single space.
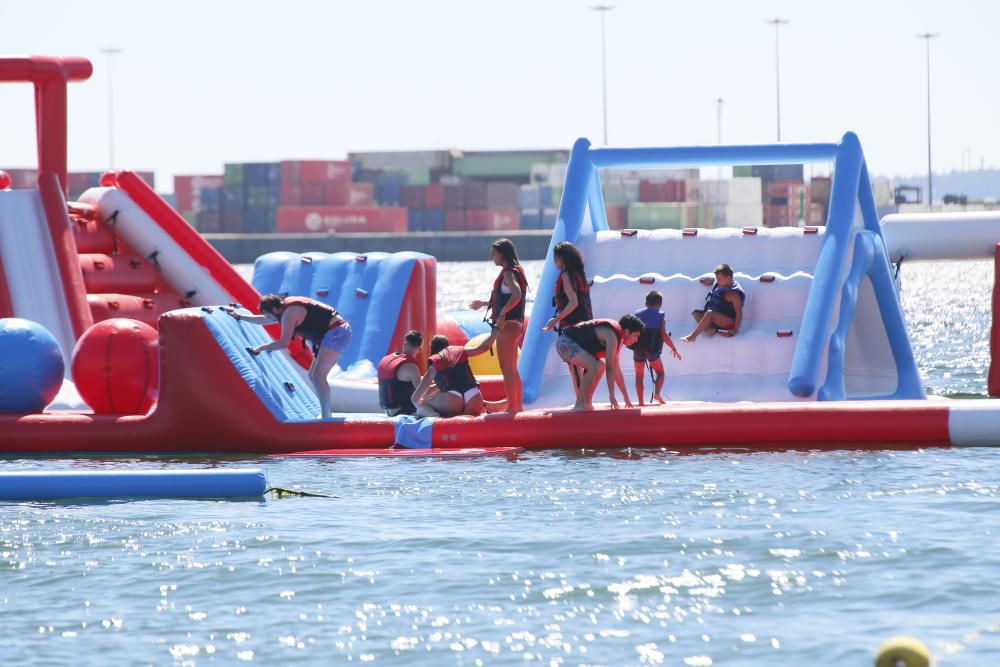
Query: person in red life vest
pixel 317 323
pixel 507 305
pixel 723 309
pixel 647 350
pixel 456 391
pixel 399 375
pixel 593 345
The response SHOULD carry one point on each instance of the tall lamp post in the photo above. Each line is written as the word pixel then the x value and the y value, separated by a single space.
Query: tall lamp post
pixel 927 37
pixel 777 23
pixel 602 10
pixel 718 127
pixel 110 52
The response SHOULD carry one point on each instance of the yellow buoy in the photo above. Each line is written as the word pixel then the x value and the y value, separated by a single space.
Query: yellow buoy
pixel 486 363
pixel 902 651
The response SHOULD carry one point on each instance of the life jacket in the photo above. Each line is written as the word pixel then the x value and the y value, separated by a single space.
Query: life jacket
pixel 393 393
pixel 716 299
pixel 498 299
pixel 650 341
pixel 452 371
pixel 317 321
pixel 585 335
pixel 583 311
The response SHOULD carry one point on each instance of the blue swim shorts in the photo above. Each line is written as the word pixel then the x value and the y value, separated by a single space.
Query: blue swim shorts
pixel 337 339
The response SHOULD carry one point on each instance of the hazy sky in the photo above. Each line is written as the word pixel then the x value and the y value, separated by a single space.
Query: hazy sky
pixel 204 82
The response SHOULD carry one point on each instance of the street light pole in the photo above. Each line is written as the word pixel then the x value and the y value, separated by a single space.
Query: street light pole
pixel 604 9
pixel 927 37
pixel 110 52
pixel 777 23
pixel 718 127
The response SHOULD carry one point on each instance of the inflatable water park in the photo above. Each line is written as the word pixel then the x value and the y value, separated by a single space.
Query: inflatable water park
pixel 118 335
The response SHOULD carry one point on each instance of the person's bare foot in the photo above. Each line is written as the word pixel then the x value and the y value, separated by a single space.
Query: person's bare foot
pixel 688 339
pixel 710 331
pixel 582 408
pixel 659 399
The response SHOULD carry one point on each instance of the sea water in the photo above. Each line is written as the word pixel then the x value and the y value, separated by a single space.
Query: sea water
pixel 550 558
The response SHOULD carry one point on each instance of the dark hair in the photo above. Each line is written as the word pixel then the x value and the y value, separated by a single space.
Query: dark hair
pixel 414 338
pixel 438 343
pixel 630 322
pixel 507 251
pixel 571 257
pixel 654 298
pixel 724 269
pixel 269 302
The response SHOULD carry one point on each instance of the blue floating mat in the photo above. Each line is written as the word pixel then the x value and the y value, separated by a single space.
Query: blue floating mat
pixel 62 484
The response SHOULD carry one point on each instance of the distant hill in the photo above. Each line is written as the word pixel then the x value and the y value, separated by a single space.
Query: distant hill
pixel 977 184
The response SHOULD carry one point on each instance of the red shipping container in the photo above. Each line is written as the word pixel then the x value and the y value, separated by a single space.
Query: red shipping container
pixel 650 192
pixel 321 171
pixel 454 196
pixel 617 216
pixel 342 219
pixel 291 195
pixel 491 219
pixel 414 196
pixel 360 194
pixel 336 193
pixel 454 220
pixel 290 172
pixel 313 194
pixel 475 195
pixel 434 195
pixel 676 190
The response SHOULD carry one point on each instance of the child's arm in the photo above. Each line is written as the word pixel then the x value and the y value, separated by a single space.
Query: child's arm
pixel 666 339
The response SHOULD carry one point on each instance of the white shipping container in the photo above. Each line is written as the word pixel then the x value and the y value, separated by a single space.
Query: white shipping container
pixel 882 188
pixel 540 172
pixel 557 173
pixel 745 190
pixel 741 215
pixel 692 189
pixel 714 192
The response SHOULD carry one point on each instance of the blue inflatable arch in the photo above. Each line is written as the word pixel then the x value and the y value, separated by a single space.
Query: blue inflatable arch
pixel 851 191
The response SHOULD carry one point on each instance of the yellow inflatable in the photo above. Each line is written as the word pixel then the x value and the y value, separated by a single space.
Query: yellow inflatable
pixel 902 650
pixel 486 363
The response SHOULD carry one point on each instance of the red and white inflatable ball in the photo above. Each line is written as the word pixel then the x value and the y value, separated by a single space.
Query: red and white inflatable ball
pixel 116 367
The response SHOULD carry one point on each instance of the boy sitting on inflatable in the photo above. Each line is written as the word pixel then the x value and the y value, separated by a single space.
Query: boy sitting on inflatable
pixel 585 345
pixel 723 309
pixel 646 351
pixel 399 375
pixel 457 390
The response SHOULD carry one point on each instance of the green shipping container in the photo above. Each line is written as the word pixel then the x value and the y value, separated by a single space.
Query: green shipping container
pixel 669 215
pixel 257 196
pixel 416 175
pixel 233 174
pixel 505 165
pixel 742 171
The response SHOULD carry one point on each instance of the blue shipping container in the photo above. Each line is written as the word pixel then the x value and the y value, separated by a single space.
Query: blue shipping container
pixel 415 220
pixel 549 218
pixel 531 218
pixel 261 173
pixel 232 197
pixel 258 221
pixel 388 194
pixel 211 199
pixel 434 219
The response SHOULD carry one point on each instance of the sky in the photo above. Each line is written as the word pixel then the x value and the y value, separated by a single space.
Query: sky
pixel 200 83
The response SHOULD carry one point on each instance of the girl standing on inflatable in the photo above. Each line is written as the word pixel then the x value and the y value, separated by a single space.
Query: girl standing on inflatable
pixel 507 305
pixel 571 297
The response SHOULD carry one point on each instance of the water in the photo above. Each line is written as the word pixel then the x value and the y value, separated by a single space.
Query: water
pixel 554 558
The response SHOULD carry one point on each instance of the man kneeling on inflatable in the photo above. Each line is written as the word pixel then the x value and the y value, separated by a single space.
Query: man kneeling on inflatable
pixel 593 344
pixel 399 375
pixel 457 391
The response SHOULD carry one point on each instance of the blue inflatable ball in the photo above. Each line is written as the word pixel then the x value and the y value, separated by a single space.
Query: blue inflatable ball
pixel 31 366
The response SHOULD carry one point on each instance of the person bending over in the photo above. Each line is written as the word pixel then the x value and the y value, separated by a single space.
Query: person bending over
pixel 590 346
pixel 315 322
pixel 570 296
pixel 399 375
pixel 456 391
pixel 647 350
pixel 723 309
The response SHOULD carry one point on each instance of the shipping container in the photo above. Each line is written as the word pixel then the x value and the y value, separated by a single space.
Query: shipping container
pixel 817 215
pixel 291 195
pixel 454 220
pixel 188 189
pixel 617 216
pixel 819 190
pixel 454 196
pixel 381 160
pixel 232 221
pixel 739 215
pixel 388 194
pixel 258 221
pixel 211 199
pixel 483 220
pixel 746 190
pixel 22 178
pixel 666 215
pixel 415 219
pixel 233 197
pixel 530 196
pixel 360 194
pixel 209 222
pixel 503 164
pixel 501 195
pixel 325 219
pixel 531 218
pixel 548 218
pixel 475 196
pixel 434 219
pixel 232 174
pixel 414 196
pixel 434 195
pixel 772 173
pixel 256 174
pixel 321 171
